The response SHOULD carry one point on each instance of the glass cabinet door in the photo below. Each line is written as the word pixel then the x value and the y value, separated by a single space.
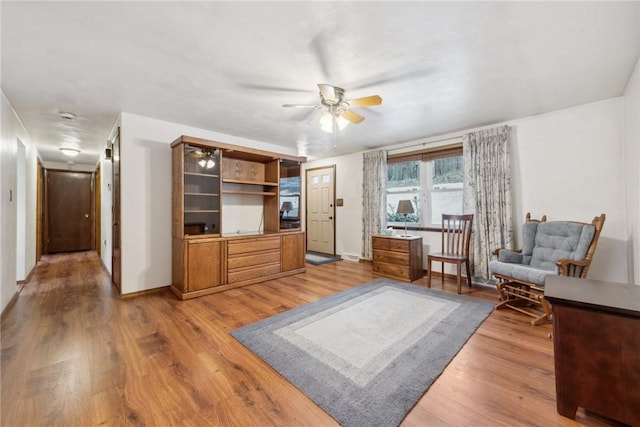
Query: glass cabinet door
pixel 201 191
pixel 290 183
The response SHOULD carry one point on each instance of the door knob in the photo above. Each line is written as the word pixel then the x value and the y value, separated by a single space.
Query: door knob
pixel 330 217
pixel 86 215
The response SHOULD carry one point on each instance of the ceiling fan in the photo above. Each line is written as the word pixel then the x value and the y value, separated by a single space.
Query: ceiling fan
pixel 336 109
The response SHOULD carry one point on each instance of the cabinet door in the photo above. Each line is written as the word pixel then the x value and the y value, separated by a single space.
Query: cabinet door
pixel 204 265
pixel 292 250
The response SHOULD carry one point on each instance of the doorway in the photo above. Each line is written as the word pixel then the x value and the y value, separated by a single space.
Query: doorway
pixel 69 208
pixel 320 193
pixel 115 206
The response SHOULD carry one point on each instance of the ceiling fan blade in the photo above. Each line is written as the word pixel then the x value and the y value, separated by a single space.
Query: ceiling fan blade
pixel 328 92
pixel 352 117
pixel 367 101
pixel 300 106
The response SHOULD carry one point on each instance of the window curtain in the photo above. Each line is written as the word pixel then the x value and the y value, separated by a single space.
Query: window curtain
pixel 374 197
pixel 487 194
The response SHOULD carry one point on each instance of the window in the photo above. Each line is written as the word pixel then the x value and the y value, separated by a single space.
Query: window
pixel 433 182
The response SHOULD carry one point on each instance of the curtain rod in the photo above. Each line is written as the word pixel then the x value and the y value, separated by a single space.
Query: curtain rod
pixel 424 143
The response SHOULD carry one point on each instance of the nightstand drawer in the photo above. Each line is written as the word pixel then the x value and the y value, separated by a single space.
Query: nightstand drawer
pixel 392 257
pixel 400 245
pixel 391 270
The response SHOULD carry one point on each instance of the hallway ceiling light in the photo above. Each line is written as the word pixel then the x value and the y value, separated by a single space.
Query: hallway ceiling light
pixel 71 152
pixel 67 116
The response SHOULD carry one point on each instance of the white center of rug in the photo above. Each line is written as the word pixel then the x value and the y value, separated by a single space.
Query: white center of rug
pixel 360 337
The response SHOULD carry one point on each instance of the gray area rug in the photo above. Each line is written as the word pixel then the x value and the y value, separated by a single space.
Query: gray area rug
pixel 319 259
pixel 367 355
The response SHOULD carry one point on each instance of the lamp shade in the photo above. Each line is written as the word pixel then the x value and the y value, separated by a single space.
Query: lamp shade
pixel 405 207
pixel 286 207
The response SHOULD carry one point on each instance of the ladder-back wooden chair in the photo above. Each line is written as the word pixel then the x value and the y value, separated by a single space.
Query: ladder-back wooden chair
pixel 456 236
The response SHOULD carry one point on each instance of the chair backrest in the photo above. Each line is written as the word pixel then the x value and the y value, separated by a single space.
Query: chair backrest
pixel 456 234
pixel 546 242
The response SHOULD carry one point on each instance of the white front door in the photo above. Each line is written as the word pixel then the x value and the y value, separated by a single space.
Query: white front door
pixel 321 210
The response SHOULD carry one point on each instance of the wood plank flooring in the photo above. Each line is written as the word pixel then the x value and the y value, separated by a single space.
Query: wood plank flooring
pixel 75 354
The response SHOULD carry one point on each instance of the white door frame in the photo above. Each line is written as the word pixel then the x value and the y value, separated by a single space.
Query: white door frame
pixel 330 210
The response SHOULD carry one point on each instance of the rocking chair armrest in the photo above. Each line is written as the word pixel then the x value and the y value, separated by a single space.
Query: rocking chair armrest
pixel 510 256
pixel 496 251
pixel 572 267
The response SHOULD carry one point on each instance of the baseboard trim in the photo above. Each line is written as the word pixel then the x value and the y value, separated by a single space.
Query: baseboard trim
pixel 26 280
pixel 145 292
pixel 13 300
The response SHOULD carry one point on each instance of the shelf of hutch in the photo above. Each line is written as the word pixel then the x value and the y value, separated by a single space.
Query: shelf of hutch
pixel 238 181
pixel 254 193
pixel 205 173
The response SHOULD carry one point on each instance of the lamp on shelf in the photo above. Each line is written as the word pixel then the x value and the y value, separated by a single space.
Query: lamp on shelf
pixel 286 207
pixel 405 207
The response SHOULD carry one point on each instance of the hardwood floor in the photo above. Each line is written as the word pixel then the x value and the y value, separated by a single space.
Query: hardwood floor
pixel 75 354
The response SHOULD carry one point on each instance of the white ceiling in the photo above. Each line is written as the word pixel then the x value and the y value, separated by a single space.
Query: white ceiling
pixel 229 66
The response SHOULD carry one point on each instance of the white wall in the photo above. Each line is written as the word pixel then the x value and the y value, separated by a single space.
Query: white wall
pixel 69 166
pixel 631 134
pixel 566 164
pixel 146 196
pixel 12 131
pixel 21 206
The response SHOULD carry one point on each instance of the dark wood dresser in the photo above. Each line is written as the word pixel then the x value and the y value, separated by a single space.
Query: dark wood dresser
pixel 596 338
pixel 398 257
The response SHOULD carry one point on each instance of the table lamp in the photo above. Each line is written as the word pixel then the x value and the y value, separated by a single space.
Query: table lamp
pixel 286 207
pixel 405 207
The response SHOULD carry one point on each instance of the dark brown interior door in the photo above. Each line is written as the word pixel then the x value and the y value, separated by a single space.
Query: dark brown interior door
pixel 115 231
pixel 69 204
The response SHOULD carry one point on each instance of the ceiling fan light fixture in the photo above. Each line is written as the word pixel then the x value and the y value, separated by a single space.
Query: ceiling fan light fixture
pixel 341 122
pixel 69 151
pixel 326 122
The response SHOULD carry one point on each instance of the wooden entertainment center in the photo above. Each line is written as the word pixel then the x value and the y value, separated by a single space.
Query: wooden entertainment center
pixel 212 253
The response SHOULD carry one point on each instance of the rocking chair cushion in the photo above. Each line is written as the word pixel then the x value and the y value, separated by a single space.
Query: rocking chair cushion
pixel 559 239
pixel 520 272
pixel 543 244
pixel 505 255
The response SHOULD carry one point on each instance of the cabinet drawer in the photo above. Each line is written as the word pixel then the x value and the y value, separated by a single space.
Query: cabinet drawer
pixel 392 270
pixel 380 243
pixel 253 273
pixel 253 245
pixel 251 260
pixel 399 245
pixel 391 244
pixel 400 258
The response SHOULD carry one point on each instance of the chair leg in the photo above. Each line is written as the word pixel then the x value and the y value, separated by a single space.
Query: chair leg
pixel 459 276
pixel 442 273
pixel 468 273
pixel 428 272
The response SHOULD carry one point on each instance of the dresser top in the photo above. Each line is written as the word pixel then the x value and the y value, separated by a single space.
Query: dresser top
pixel 596 294
pixel 398 236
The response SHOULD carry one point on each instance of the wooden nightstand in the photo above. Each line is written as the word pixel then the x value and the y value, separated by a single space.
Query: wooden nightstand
pixel 398 257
